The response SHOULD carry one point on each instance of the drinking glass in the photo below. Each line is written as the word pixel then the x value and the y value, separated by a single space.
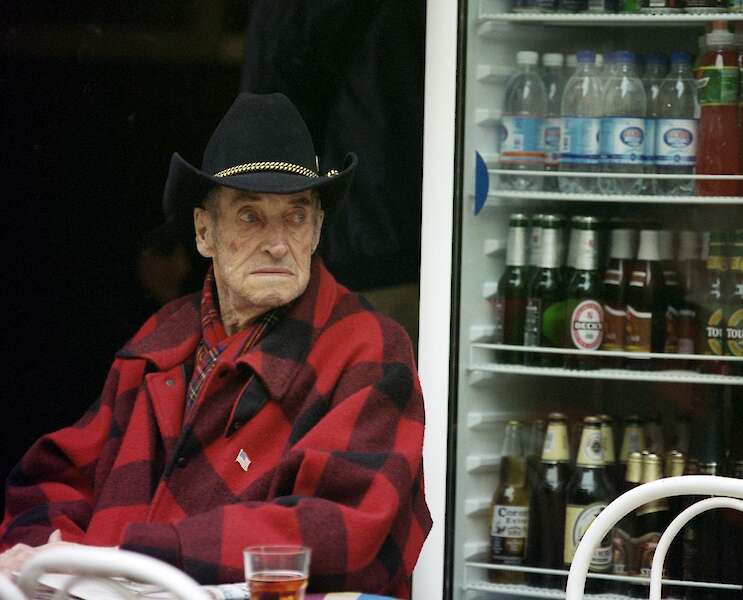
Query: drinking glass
pixel 277 572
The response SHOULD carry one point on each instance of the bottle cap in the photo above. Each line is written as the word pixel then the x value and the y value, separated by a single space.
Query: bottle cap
pixel 527 57
pixel 649 245
pixel 666 244
pixel 720 35
pixel 553 59
pixel 585 57
pixel 681 58
pixel 625 56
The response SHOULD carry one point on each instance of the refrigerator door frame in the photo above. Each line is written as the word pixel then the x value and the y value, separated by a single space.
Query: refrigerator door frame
pixel 440 248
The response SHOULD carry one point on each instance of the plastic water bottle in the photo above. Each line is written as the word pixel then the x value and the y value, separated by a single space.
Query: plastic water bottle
pixel 521 125
pixel 581 122
pixel 676 131
pixel 571 64
pixel 655 72
pixel 623 127
pixel 554 83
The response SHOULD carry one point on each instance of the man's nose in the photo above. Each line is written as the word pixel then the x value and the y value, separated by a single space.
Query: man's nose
pixel 275 243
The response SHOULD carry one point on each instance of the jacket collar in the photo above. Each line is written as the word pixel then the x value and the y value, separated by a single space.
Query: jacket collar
pixel 170 337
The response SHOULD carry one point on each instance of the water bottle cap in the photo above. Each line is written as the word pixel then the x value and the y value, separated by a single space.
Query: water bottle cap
pixel 624 56
pixel 553 59
pixel 527 57
pixel 586 56
pixel 681 58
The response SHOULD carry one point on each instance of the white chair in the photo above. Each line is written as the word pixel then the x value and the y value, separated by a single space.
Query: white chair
pixel 729 490
pixel 101 564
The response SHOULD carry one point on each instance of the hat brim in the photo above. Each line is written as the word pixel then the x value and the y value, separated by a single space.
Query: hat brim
pixel 187 186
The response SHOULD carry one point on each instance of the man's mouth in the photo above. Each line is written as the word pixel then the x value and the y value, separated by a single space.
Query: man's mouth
pixel 273 271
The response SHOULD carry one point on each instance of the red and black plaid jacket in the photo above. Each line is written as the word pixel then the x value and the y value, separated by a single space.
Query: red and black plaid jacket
pixel 328 408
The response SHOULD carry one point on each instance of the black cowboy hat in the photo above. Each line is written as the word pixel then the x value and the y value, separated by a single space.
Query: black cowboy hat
pixel 262 145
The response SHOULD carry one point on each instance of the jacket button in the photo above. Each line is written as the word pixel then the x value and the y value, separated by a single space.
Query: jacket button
pixel 181 462
pixel 170 382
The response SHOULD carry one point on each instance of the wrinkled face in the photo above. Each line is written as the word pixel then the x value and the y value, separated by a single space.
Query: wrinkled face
pixel 260 245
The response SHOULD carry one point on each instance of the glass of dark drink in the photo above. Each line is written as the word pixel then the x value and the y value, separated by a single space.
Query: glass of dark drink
pixel 277 572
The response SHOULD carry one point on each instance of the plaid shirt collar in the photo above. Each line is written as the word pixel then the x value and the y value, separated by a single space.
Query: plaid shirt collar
pixel 214 338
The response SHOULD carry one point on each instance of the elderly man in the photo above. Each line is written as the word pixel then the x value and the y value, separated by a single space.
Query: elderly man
pixel 273 407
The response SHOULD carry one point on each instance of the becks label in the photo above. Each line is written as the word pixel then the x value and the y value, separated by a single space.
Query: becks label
pixel 586 325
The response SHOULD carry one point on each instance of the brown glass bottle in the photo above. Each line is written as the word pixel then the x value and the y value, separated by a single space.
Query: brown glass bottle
pixel 646 309
pixel 625 532
pixel 510 299
pixel 545 307
pixel 616 276
pixel 673 294
pixel 584 312
pixel 610 454
pixel 547 505
pixel 633 440
pixel 691 273
pixel 535 245
pixel 712 314
pixel 510 508
pixel 734 306
pixel 588 493
pixel 652 520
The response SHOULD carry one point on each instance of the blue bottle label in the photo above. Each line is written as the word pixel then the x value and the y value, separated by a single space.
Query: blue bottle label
pixel 676 142
pixel 551 141
pixel 579 142
pixel 648 153
pixel 521 140
pixel 622 140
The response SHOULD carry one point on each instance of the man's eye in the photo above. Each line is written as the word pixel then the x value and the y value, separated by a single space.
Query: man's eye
pixel 249 217
pixel 297 217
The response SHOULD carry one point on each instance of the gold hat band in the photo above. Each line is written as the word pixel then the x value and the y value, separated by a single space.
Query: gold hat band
pixel 267 166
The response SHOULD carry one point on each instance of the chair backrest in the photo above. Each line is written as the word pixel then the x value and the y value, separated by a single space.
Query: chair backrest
pixel 655 490
pixel 91 562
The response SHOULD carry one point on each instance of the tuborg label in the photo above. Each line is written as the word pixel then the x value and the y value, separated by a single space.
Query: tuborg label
pixel 577 520
pixel 715 333
pixel 586 325
pixel 734 333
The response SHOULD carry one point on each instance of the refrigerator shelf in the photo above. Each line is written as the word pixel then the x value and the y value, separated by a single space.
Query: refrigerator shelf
pixel 616 175
pixel 616 198
pixel 524 590
pixel 609 374
pixel 490 25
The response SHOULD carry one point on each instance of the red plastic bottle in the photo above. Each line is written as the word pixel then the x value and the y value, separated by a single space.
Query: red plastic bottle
pixel 719 145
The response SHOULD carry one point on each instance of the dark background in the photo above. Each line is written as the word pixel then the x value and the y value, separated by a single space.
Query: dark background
pixel 94 97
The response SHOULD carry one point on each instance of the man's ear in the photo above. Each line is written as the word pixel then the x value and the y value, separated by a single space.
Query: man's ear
pixel 318 229
pixel 204 228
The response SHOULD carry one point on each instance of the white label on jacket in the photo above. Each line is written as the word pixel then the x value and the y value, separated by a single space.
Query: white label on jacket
pixel 521 140
pixel 676 142
pixel 622 140
pixel 579 140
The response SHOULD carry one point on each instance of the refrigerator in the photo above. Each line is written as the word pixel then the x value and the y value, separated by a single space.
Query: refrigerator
pixel 470 396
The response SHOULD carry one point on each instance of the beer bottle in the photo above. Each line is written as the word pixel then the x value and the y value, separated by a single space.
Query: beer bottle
pixel 545 308
pixel 510 299
pixel 652 520
pixel 588 493
pixel 654 435
pixel 712 317
pixel 621 254
pixel 569 266
pixel 547 504
pixel 607 444
pixel 701 536
pixel 672 291
pixel 583 305
pixel 534 446
pixel 535 245
pixel 734 304
pixel 625 532
pixel 691 273
pixel 646 310
pixel 633 440
pixel 676 463
pixel 510 508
